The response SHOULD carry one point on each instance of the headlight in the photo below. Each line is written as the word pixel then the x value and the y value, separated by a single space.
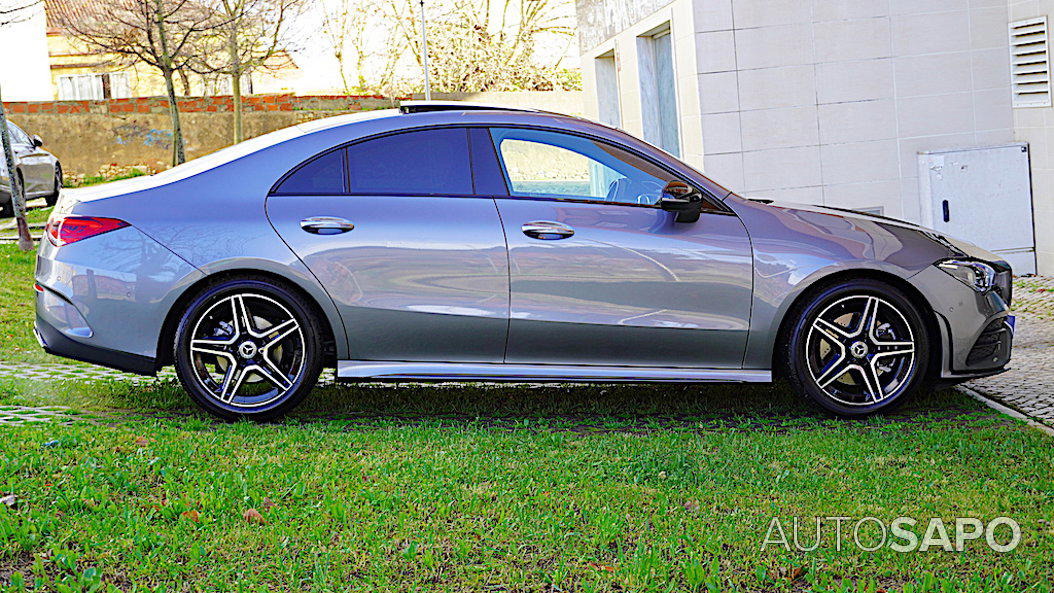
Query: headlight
pixel 977 275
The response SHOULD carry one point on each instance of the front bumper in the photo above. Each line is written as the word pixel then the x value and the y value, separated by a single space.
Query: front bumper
pixel 976 329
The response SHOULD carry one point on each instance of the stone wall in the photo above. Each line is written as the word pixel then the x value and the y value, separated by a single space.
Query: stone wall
pixel 88 135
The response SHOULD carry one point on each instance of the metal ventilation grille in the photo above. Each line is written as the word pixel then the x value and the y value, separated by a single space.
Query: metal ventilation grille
pixel 1030 66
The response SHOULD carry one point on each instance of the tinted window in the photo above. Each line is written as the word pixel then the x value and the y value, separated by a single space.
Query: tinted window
pixel 412 163
pixel 487 175
pixel 550 164
pixel 321 176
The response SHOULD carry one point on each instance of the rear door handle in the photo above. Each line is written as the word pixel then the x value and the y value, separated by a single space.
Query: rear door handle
pixel 326 225
pixel 547 230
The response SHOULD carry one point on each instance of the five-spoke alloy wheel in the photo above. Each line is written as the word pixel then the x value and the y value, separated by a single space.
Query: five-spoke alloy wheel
pixel 248 348
pixel 858 348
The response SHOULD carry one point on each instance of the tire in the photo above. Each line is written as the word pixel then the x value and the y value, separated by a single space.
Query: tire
pixel 259 373
pixel 7 208
pixel 851 368
pixel 53 198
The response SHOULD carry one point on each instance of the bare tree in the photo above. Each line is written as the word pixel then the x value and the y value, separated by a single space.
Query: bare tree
pixel 11 13
pixel 483 45
pixel 17 11
pixel 337 16
pixel 158 33
pixel 347 27
pixel 249 38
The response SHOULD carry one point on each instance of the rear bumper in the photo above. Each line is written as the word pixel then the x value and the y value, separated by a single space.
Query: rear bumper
pixel 55 342
pixel 108 294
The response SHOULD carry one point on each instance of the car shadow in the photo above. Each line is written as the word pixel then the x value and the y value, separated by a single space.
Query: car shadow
pixel 602 407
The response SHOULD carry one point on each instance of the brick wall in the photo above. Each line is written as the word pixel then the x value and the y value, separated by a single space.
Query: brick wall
pixel 88 135
pixel 220 104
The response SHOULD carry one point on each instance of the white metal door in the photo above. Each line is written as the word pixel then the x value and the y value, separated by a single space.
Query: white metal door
pixel 982 195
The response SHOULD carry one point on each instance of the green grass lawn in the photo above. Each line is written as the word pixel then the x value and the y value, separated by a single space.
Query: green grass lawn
pixel 475 488
pixel 16 306
pixel 38 215
pixel 118 174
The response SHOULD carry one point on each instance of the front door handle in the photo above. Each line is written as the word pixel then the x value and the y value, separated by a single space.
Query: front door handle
pixel 547 230
pixel 326 225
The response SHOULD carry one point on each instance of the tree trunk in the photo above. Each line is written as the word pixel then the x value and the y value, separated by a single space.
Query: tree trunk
pixel 179 155
pixel 236 86
pixel 18 203
pixel 339 54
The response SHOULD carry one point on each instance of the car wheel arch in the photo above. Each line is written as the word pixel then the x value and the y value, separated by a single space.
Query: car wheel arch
pixel 166 338
pixel 790 313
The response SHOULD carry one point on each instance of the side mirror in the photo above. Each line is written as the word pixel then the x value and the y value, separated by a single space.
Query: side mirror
pixel 683 200
pixel 37 141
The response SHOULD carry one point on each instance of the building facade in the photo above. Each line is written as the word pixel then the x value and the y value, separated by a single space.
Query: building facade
pixel 22 34
pixel 79 72
pixel 888 106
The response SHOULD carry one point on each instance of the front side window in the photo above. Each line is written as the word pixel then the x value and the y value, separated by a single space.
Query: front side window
pixel 547 164
pixel 425 162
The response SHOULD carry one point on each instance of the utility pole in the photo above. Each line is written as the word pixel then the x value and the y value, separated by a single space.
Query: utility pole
pixel 18 203
pixel 424 52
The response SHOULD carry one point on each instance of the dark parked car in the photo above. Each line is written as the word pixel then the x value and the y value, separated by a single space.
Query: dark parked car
pixel 446 242
pixel 38 170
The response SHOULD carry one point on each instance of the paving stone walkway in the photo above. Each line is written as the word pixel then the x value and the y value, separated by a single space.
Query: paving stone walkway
pixel 1028 386
pixel 57 371
pixel 20 415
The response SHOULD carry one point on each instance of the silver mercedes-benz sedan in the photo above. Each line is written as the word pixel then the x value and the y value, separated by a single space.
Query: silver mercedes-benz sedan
pixel 460 242
pixel 38 171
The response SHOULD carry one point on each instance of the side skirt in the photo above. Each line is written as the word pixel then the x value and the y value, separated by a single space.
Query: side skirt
pixel 451 371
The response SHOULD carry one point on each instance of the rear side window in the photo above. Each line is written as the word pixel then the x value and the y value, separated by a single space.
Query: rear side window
pixel 425 162
pixel 323 176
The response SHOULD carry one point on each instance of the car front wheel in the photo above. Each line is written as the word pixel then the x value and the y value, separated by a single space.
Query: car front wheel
pixel 858 348
pixel 248 348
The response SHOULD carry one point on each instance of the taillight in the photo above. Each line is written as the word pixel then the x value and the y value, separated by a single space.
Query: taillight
pixel 70 229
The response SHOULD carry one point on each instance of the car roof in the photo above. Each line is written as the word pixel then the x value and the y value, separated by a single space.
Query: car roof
pixel 420 114
pixel 283 149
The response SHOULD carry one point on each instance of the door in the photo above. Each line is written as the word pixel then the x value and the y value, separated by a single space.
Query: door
pixel 415 263
pixel 600 275
pixel 982 195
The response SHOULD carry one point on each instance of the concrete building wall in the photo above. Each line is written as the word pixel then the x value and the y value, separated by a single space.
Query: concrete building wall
pixel 829 101
pixel 89 135
pixel 615 27
pixel 1035 125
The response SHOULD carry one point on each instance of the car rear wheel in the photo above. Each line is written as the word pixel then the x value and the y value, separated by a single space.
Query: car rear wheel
pixel 858 348
pixel 248 348
pixel 52 198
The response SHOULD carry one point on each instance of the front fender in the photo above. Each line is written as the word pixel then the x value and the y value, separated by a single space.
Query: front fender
pixel 794 249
